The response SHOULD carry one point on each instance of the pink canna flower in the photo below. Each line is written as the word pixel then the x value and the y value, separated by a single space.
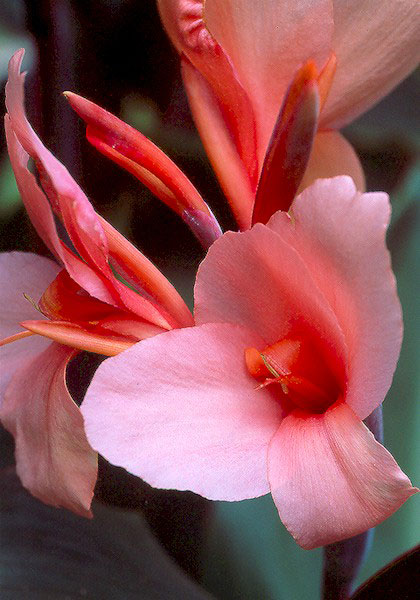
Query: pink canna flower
pixel 297 334
pixel 53 310
pixel 238 59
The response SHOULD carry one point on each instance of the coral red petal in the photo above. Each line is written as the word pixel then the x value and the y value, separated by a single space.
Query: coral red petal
pixel 41 216
pixel 69 202
pixel 141 273
pixel 340 235
pixel 290 146
pixel 181 411
pixel 219 145
pixel 131 150
pixel 258 280
pixel 330 478
pixel 81 222
pixel 76 336
pixel 66 197
pixel 54 460
pixel 21 273
pixel 377 44
pixel 185 23
pixel 333 155
pixel 267 46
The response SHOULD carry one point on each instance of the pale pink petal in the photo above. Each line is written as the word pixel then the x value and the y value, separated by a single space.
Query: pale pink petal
pixel 21 273
pixel 333 155
pixel 181 411
pixel 219 145
pixel 329 477
pixel 53 458
pixel 267 45
pixel 340 235
pixel 377 43
pixel 259 281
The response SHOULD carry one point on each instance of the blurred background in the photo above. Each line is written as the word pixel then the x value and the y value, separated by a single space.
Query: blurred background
pixel 145 543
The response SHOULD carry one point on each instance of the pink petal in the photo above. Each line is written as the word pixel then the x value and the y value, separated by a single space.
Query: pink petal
pixel 219 145
pixel 333 155
pixel 340 235
pixel 21 273
pixel 267 46
pixel 377 45
pixel 54 460
pixel 181 411
pixel 257 280
pixel 329 477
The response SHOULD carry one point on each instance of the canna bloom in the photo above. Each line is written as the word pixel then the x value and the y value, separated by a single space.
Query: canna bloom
pixel 297 334
pixel 52 310
pixel 238 59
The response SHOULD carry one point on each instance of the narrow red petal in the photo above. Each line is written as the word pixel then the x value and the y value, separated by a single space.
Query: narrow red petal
pixel 77 337
pixel 290 146
pixel 140 272
pixel 185 24
pixel 136 153
pixel 219 144
pixel 68 201
pixel 325 79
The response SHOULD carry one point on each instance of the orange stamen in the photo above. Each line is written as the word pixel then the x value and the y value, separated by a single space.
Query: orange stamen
pixel 17 336
pixel 299 368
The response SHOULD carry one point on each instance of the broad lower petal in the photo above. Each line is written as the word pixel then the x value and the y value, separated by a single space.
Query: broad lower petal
pixel 21 273
pixel 330 479
pixel 340 235
pixel 181 411
pixel 258 280
pixel 377 44
pixel 53 458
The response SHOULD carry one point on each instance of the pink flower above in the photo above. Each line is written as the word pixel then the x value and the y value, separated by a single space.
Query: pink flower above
pixel 297 336
pixel 238 59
